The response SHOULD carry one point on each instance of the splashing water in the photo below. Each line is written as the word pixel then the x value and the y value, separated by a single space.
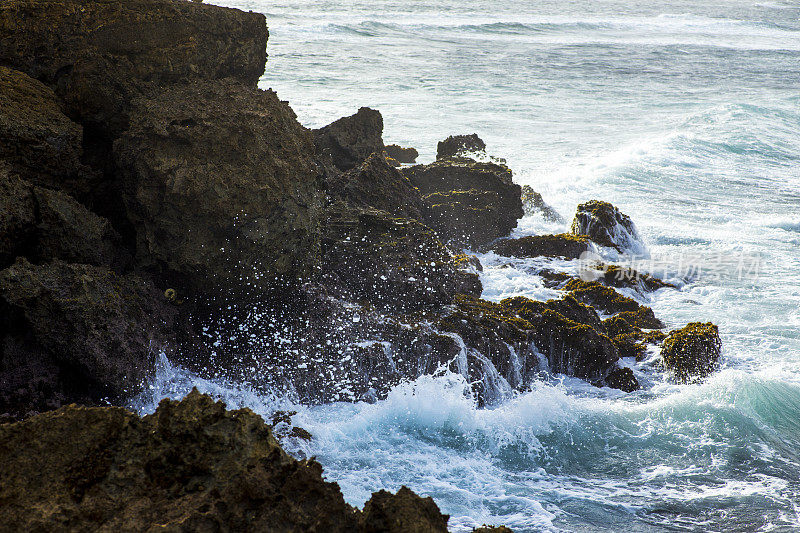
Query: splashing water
pixel 684 115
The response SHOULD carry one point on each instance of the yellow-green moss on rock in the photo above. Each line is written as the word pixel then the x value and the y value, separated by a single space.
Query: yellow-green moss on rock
pixel 692 351
pixel 558 245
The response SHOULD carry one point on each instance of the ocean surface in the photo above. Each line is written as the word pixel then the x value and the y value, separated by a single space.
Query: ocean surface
pixel 686 115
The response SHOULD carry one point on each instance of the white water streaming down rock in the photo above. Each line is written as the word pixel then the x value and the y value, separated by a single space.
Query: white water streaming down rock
pixel 686 116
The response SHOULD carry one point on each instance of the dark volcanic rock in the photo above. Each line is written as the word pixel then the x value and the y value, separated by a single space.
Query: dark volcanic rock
pixel 37 140
pixel 351 140
pixel 369 255
pixel 190 466
pixel 403 512
pixel 467 202
pixel 401 154
pixel 534 204
pixel 692 351
pixel 560 245
pixel 607 226
pixel 99 55
pixel 76 333
pixel 375 184
pixel 43 224
pixel 220 185
pixel 569 334
pixel 459 146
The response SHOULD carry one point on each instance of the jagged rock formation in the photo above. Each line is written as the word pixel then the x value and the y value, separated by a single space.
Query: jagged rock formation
pixel 401 154
pixel 398 263
pixel 76 333
pixel 460 146
pixel 100 55
pixel 376 184
pixel 349 141
pixel 219 184
pixel 190 466
pixel 38 141
pixel 692 351
pixel 607 226
pixel 560 245
pixel 534 204
pixel 467 202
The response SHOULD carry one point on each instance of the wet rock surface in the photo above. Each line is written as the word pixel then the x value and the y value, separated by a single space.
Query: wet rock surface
pixel 604 224
pixel 559 245
pixel 693 351
pixel 401 154
pixel 467 202
pixel 459 146
pixel 534 204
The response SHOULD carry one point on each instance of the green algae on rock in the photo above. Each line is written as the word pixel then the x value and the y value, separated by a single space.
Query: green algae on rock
pixel 559 245
pixel 692 351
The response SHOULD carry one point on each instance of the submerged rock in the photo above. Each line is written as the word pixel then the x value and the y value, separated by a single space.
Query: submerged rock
pixel 622 277
pixel 560 245
pixel 467 202
pixel 99 55
pixel 76 333
pixel 401 154
pixel 190 466
pixel 607 226
pixel 220 185
pixel 692 351
pixel 351 140
pixel 534 204
pixel 460 146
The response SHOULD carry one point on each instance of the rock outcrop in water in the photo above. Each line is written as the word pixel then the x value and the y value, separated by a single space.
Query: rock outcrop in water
pixel 692 351
pixel 467 202
pixel 401 154
pixel 190 466
pixel 560 245
pixel 607 226
pixel 534 204
pixel 460 146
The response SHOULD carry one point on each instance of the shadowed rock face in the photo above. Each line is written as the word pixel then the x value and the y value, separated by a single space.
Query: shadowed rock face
pixel 43 224
pixel 376 184
pixel 390 262
pixel 467 202
pixel 351 140
pixel 76 333
pixel 401 154
pixel 190 466
pixel 220 185
pixel 99 55
pixel 37 140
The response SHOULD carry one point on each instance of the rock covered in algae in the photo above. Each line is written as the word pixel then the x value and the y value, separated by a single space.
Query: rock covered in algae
pixel 349 141
pixel 692 351
pixel 559 245
pixel 460 146
pixel 401 154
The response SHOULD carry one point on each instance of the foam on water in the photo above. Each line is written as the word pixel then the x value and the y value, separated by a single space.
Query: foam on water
pixel 686 116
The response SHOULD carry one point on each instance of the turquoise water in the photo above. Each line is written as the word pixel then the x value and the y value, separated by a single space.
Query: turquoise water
pixel 686 115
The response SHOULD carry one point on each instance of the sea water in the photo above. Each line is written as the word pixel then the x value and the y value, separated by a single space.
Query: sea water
pixel 685 115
